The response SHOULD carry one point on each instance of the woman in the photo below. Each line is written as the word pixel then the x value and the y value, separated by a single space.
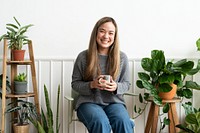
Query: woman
pixel 100 105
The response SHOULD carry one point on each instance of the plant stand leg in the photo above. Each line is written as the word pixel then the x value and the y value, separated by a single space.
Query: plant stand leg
pixel 152 119
pixel 172 114
pixel 155 119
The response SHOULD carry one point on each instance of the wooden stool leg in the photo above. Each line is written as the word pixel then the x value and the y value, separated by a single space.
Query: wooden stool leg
pixel 155 119
pixel 175 117
pixel 171 125
pixel 152 120
pixel 172 114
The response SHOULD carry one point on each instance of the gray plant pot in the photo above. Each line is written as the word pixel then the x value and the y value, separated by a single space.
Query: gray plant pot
pixel 20 87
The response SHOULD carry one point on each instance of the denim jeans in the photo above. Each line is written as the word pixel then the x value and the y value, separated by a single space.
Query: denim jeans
pixel 101 119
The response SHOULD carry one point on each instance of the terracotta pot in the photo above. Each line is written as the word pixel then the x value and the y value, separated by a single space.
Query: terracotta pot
pixel 18 55
pixel 169 95
pixel 21 128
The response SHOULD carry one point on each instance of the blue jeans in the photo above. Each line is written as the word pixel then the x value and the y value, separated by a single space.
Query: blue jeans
pixel 101 119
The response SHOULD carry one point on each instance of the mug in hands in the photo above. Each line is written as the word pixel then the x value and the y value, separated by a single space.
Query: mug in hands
pixel 105 79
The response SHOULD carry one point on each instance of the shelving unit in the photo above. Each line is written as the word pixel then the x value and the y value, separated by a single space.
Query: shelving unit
pixel 14 67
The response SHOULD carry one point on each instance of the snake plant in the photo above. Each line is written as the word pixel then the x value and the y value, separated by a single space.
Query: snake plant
pixel 46 124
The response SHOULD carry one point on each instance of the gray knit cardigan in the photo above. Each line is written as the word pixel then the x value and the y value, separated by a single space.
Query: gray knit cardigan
pixel 102 97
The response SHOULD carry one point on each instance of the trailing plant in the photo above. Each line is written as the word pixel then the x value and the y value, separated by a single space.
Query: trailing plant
pixel 158 76
pixel 46 125
pixel 15 35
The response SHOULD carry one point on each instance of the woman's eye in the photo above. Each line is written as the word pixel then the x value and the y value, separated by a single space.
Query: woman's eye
pixel 111 33
pixel 101 31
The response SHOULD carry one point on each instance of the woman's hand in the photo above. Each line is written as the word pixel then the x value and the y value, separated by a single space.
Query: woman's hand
pixel 102 84
pixel 96 84
pixel 112 86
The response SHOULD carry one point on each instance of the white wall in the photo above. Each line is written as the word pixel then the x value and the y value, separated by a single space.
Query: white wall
pixel 65 25
pixel 62 27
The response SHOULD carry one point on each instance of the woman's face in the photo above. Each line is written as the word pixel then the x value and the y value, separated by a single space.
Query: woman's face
pixel 105 37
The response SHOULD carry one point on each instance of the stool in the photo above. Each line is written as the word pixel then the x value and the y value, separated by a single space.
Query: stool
pixel 152 120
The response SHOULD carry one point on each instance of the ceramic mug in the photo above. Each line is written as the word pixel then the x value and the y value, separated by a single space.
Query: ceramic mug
pixel 105 77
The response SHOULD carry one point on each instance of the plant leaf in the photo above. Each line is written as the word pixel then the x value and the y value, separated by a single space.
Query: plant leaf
pixel 187 93
pixel 198 44
pixel 139 84
pixel 140 98
pixel 166 108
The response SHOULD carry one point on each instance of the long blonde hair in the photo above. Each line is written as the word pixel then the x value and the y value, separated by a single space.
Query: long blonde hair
pixel 113 67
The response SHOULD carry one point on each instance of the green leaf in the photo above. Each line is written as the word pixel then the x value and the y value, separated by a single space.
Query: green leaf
pixel 11 29
pixel 158 60
pixel 49 111
pixel 166 78
pixel 166 121
pixel 193 71
pixel 187 66
pixel 146 96
pixel 143 76
pixel 147 85
pixel 198 44
pixel 44 121
pixel 157 100
pixel 139 84
pixel 40 128
pixel 192 85
pixel 140 98
pixel 166 108
pixel 164 87
pixel 135 109
pixel 191 119
pixel 179 63
pixel 16 21
pixel 187 93
pixel 189 109
pixel 146 64
pixel 198 64
pixel 184 128
pixel 13 25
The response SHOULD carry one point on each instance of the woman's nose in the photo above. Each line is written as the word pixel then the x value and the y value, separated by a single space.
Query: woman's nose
pixel 106 35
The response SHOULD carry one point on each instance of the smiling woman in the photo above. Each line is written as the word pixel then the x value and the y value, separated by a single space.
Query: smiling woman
pixel 103 57
pixel 105 37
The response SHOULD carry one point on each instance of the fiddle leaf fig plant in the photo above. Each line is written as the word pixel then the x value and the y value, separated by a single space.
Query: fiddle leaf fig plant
pixel 157 76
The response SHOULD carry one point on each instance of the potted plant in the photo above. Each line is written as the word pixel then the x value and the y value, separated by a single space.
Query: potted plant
pixel 20 84
pixel 192 119
pixel 161 77
pixel 16 39
pixel 25 110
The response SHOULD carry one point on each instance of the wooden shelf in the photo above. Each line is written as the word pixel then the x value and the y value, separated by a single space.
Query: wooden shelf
pixel 13 73
pixel 20 95
pixel 25 62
